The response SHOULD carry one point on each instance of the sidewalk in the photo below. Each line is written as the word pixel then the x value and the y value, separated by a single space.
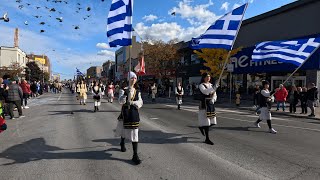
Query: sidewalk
pixel 245 105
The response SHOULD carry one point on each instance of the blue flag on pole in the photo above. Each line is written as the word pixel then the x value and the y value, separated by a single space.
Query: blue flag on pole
pixel 119 28
pixel 293 51
pixel 222 33
pixel 79 73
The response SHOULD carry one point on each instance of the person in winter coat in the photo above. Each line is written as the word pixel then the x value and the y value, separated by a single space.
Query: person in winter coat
pixel 303 99
pixel 312 95
pixel 33 89
pixel 281 97
pixel 293 97
pixel 3 97
pixel 25 86
pixel 15 95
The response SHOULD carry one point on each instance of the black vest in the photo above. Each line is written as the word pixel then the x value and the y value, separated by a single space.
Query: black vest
pixel 131 117
pixel 264 101
pixel 204 97
pixel 179 92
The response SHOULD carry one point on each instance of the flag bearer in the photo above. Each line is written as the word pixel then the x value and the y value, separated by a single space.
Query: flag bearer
pixel 265 104
pixel 179 93
pixel 96 91
pixel 207 112
pixel 129 119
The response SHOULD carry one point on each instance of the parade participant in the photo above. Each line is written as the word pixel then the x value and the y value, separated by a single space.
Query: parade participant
pixel 128 121
pixel 102 87
pixel 82 93
pixel 179 93
pixel 96 91
pixel 110 92
pixel 154 91
pixel 78 90
pixel 207 109
pixel 265 104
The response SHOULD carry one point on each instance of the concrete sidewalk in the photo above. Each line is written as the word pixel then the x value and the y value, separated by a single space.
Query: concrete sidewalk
pixel 246 104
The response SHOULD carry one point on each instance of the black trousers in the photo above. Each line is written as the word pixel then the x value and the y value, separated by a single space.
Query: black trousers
pixel 25 99
pixel 11 106
pixel 293 107
pixel 304 107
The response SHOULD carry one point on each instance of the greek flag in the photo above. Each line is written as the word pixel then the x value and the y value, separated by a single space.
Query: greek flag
pixel 119 28
pixel 79 73
pixel 222 33
pixel 293 51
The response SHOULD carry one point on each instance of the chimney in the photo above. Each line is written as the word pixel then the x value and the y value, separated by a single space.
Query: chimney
pixel 16 38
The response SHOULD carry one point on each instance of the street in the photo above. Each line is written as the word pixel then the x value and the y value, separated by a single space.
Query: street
pixel 60 139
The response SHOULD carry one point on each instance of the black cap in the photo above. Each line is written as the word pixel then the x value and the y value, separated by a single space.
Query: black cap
pixel 265 82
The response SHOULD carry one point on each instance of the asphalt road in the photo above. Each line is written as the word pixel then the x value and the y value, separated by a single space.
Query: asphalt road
pixel 60 139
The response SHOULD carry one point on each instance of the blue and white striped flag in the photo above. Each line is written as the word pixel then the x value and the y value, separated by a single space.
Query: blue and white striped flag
pixel 79 73
pixel 293 51
pixel 222 34
pixel 119 28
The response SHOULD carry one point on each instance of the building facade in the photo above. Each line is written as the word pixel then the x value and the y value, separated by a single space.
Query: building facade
pixel 42 61
pixel 108 70
pixel 12 55
pixel 122 59
pixel 94 72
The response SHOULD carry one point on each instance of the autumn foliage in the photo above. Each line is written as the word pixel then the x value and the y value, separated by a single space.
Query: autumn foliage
pixel 215 59
pixel 160 57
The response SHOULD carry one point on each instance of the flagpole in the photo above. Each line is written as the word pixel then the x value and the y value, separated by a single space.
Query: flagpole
pixel 228 56
pixel 300 65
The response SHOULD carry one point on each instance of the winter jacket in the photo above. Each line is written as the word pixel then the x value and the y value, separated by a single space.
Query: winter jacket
pixel 15 93
pixel 293 97
pixel 303 97
pixel 25 88
pixel 34 88
pixel 312 94
pixel 281 95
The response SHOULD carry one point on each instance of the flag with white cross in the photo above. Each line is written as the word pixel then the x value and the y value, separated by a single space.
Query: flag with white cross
pixel 222 34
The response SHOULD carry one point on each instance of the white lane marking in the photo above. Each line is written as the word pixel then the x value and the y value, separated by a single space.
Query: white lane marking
pixel 274 124
pixel 154 118
pixel 280 119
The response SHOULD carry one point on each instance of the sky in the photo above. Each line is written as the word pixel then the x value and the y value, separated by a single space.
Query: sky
pixel 69 48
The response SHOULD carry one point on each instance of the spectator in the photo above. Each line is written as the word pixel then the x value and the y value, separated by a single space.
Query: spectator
pixel 15 95
pixel 256 96
pixel 312 96
pixel 293 99
pixel 33 89
pixel 281 97
pixel 3 97
pixel 303 99
pixel 26 93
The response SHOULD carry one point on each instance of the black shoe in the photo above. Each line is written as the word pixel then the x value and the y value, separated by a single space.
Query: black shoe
pixel 123 147
pixel 207 141
pixel 312 115
pixel 97 109
pixel 201 130
pixel 136 159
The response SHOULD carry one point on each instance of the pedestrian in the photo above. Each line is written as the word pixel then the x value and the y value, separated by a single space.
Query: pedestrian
pixel 83 93
pixel 25 86
pixel 256 95
pixel 265 104
pixel 15 95
pixel 96 91
pixel 33 89
pixel 303 101
pixel 179 94
pixel 281 97
pixel 293 99
pixel 312 95
pixel 207 112
pixel 238 98
pixel 154 91
pixel 129 119
pixel 110 92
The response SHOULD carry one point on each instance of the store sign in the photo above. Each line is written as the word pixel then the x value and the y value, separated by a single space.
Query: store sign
pixel 40 60
pixel 243 64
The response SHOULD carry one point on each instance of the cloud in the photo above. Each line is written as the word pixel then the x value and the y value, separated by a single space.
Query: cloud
pixel 168 31
pixel 225 6
pixel 236 5
pixel 109 54
pixel 103 46
pixel 150 17
pixel 199 13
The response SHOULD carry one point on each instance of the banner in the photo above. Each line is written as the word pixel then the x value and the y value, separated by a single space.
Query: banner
pixel 41 60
